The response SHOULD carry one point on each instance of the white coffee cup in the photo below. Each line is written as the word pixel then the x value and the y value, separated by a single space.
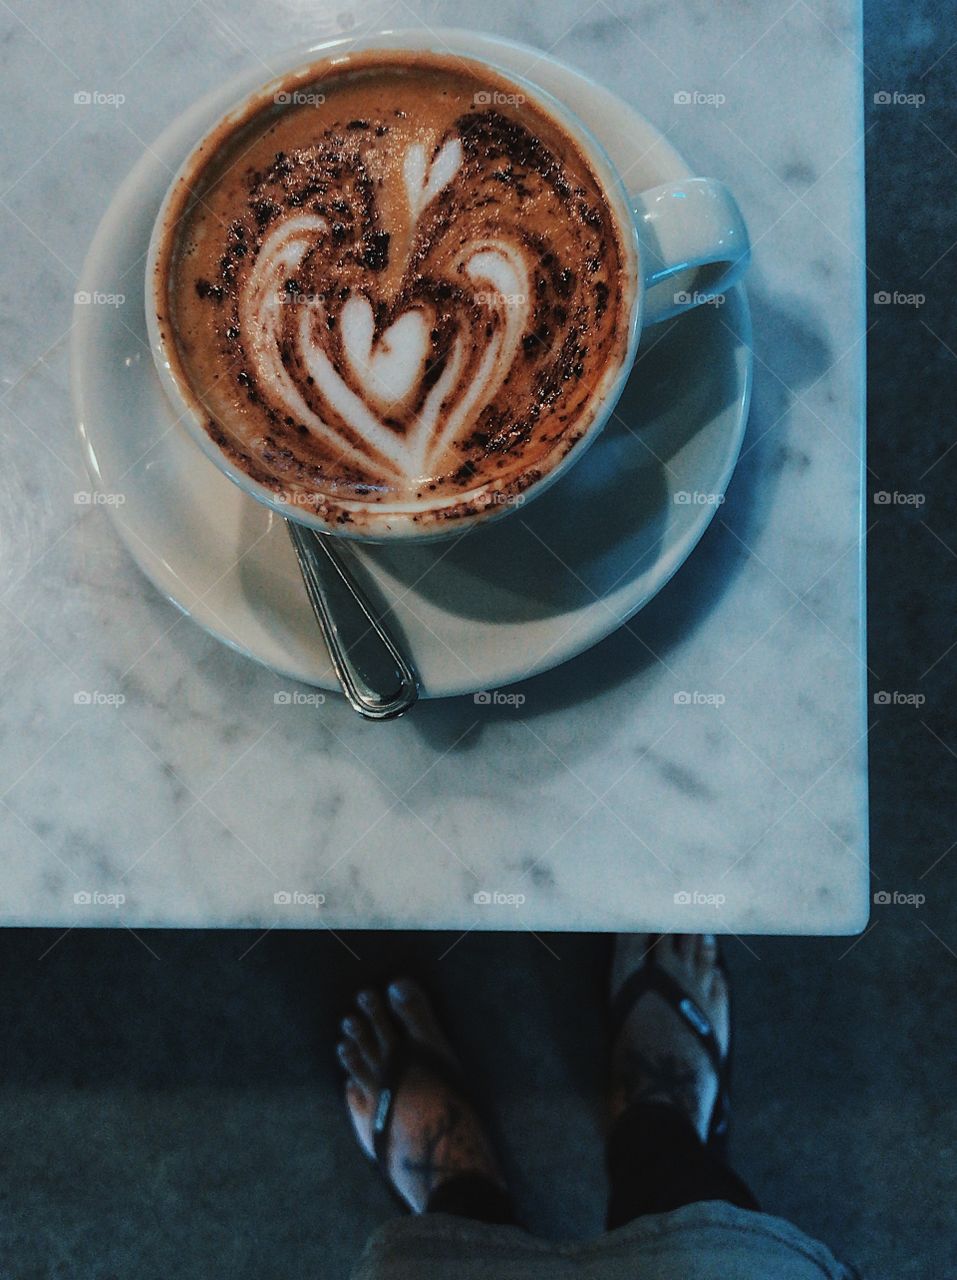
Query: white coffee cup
pixel 683 244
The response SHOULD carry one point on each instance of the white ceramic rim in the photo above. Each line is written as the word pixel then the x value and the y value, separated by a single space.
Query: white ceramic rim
pixel 391 523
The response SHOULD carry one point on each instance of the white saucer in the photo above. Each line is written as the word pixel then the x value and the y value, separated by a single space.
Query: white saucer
pixel 499 604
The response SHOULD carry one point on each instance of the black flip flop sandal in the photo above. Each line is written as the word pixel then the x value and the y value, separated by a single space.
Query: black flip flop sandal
pixel 407 1053
pixel 651 977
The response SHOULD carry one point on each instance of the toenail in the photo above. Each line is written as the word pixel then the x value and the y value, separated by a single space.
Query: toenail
pixel 366 999
pixel 349 1025
pixel 399 990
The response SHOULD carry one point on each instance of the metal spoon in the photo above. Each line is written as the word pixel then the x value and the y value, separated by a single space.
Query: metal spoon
pixel 379 682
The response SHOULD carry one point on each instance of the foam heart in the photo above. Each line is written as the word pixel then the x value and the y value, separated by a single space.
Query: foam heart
pixel 386 369
pixel 390 368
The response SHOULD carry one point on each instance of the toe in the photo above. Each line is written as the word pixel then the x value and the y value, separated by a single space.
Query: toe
pixel 360 1106
pixel 707 953
pixel 717 985
pixel 379 1020
pixel 720 1001
pixel 414 1011
pixel 359 1100
pixel 357 1029
pixel 355 1064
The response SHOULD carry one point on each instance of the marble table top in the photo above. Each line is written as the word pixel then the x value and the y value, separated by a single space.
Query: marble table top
pixel 604 802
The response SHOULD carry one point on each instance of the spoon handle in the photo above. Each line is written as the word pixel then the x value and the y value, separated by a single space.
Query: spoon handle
pixel 379 682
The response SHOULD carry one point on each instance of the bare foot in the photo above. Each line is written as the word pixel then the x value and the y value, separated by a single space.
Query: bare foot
pixel 657 1057
pixel 435 1133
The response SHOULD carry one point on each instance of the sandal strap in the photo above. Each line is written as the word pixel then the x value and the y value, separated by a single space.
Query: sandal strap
pixel 407 1053
pixel 651 977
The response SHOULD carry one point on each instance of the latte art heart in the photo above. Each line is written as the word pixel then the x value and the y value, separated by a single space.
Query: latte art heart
pixel 389 367
pixel 396 301
pixel 373 377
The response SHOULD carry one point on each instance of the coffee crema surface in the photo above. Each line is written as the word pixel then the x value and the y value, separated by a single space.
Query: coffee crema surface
pixel 395 285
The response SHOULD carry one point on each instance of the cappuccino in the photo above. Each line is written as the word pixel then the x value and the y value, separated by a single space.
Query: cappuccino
pixel 393 286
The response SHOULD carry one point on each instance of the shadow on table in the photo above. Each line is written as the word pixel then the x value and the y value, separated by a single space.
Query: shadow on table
pixel 537 583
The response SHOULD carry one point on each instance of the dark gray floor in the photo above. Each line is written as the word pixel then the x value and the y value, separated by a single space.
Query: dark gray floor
pixel 178 1114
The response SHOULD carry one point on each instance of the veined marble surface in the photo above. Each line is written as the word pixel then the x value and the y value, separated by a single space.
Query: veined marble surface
pixel 601 803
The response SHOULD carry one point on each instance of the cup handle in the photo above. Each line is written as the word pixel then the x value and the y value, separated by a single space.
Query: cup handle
pixel 694 245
